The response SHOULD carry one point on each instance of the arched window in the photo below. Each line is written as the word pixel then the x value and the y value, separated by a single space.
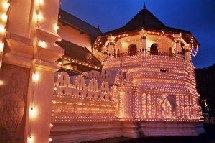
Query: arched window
pixel 154 49
pixel 118 54
pixel 132 50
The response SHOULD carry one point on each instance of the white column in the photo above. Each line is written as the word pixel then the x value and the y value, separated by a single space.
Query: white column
pixel 178 47
pixel 143 42
pixel 188 55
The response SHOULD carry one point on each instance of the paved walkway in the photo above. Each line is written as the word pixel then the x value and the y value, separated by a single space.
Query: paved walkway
pixel 204 138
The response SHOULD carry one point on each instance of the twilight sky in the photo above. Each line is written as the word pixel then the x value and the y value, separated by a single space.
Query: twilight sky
pixel 197 16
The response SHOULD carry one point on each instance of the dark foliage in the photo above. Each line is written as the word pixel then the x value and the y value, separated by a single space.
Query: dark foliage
pixel 205 79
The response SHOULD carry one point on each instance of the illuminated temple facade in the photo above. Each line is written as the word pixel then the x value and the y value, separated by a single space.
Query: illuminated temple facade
pixel 145 86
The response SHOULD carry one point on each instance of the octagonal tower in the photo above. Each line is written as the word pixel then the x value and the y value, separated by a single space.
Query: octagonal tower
pixel 155 84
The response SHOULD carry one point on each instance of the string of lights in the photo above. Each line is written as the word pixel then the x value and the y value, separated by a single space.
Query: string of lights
pixel 38 43
pixel 147 94
pixel 5 4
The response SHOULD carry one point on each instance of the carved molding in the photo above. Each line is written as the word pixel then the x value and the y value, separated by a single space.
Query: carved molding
pixel 21 51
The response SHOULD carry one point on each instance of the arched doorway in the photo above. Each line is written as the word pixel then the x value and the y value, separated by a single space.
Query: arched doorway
pixel 132 50
pixel 154 49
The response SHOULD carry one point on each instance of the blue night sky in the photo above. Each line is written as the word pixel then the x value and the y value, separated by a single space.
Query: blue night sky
pixel 197 16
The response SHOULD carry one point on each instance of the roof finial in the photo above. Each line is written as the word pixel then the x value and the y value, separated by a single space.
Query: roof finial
pixel 144 5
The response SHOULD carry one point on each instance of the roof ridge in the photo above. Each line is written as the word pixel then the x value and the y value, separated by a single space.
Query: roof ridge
pixel 77 52
pixel 69 42
pixel 79 19
pixel 142 11
pixel 68 21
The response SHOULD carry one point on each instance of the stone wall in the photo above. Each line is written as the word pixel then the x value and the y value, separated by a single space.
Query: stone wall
pixel 85 131
pixel 13 97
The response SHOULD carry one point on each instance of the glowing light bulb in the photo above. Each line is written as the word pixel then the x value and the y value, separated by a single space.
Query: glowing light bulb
pixel 31 139
pixel 42 44
pixel 6 5
pixel 1 82
pixel 56 27
pixel 38 17
pixel 35 77
pixel 51 125
pixel 50 139
pixel 4 17
pixel 1 46
pixel 60 63
pixel 39 2
pixel 32 112
pixel 2 29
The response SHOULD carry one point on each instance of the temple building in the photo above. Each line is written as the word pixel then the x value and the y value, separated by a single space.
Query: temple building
pixel 77 39
pixel 138 80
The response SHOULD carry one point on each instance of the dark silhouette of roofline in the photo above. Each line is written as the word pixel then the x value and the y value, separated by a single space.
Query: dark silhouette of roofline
pixel 146 20
pixel 78 52
pixel 140 21
pixel 79 24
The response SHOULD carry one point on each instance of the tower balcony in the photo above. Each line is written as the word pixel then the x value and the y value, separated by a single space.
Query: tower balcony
pixel 143 58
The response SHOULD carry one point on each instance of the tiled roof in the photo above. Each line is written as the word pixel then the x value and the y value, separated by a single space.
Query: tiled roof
pixel 77 52
pixel 145 19
pixel 77 23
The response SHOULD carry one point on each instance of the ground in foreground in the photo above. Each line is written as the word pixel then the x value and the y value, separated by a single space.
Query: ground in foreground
pixel 203 138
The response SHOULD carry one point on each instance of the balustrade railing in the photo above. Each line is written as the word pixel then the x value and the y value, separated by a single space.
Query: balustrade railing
pixel 148 53
pixel 140 57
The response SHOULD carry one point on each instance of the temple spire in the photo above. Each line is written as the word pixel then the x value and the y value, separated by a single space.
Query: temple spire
pixel 98 27
pixel 144 7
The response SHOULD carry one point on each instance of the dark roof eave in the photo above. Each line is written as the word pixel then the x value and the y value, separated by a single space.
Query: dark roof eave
pixel 78 52
pixel 165 29
pixel 68 24
pixel 77 23
pixel 146 20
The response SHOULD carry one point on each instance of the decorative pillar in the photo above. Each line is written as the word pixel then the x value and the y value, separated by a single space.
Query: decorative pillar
pixel 143 40
pixel 111 45
pixel 4 8
pixel 187 52
pixel 188 55
pixel 178 47
pixel 27 70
